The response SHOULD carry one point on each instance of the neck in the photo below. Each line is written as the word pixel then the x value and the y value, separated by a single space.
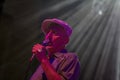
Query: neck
pixel 63 51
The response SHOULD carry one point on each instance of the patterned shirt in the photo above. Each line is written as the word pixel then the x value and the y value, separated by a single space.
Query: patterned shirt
pixel 65 64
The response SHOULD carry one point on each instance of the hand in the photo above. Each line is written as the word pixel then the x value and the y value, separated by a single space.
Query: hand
pixel 40 52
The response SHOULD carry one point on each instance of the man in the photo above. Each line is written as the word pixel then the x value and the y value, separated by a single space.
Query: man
pixel 55 62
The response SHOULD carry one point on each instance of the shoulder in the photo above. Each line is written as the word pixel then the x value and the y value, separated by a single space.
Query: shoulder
pixel 67 57
pixel 72 62
pixel 71 56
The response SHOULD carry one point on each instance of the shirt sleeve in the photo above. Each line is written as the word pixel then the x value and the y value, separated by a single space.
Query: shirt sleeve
pixel 70 68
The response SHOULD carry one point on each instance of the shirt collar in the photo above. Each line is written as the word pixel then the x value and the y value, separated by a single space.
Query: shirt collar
pixel 59 54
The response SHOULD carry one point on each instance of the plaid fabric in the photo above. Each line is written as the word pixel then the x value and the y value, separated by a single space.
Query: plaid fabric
pixel 66 64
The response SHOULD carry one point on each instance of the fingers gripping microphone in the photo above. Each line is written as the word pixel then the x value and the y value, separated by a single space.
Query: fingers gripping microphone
pixel 44 43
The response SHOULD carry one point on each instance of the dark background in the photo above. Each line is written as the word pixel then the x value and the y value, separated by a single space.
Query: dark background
pixel 95 38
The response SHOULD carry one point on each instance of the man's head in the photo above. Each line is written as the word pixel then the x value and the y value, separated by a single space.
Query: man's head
pixel 47 23
pixel 58 32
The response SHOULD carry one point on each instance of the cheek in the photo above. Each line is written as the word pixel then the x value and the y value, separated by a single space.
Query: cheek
pixel 57 41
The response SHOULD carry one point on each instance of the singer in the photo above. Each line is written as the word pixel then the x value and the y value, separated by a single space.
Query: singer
pixel 55 62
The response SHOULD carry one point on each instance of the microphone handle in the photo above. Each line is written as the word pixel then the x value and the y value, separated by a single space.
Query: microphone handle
pixel 32 57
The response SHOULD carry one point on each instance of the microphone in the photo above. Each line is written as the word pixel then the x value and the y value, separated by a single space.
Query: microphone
pixel 44 43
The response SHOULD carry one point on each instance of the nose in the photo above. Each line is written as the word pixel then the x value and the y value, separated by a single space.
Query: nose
pixel 49 35
pixel 47 39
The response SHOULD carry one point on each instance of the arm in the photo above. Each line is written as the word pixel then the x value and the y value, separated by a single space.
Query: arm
pixel 50 72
